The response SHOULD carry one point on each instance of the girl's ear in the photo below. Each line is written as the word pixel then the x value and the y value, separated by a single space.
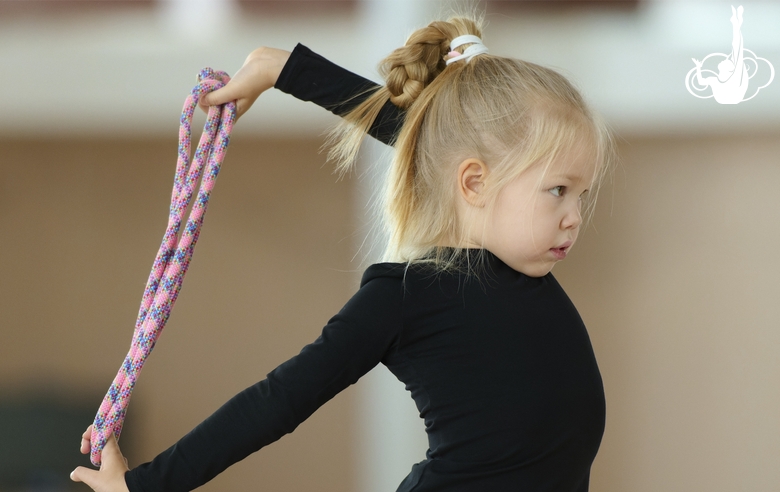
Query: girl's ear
pixel 471 181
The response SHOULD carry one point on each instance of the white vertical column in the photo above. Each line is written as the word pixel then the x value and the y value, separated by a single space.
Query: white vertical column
pixel 198 20
pixel 391 435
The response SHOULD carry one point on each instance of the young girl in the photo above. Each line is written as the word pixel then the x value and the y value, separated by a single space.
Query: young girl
pixel 494 159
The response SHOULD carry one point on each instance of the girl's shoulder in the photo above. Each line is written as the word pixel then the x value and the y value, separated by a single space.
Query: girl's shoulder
pixel 385 270
pixel 471 264
pixel 482 267
pixel 408 273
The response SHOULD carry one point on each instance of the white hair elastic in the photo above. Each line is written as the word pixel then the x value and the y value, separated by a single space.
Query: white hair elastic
pixel 476 48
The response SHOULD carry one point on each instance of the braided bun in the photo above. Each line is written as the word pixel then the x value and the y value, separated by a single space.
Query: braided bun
pixel 409 69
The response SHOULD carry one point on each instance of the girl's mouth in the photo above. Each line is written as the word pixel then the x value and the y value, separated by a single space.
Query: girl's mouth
pixel 559 253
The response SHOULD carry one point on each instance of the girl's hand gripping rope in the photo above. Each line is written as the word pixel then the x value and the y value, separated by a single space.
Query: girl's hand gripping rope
pixel 258 74
pixel 111 476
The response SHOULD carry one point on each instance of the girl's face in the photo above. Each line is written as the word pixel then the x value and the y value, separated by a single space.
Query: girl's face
pixel 537 216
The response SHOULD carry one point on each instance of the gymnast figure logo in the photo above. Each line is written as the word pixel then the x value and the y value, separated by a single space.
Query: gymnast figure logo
pixel 735 70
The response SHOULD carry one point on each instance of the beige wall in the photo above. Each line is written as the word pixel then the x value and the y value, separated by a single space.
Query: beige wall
pixel 676 280
pixel 81 222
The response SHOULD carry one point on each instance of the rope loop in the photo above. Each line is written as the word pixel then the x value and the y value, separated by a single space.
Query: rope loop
pixel 173 258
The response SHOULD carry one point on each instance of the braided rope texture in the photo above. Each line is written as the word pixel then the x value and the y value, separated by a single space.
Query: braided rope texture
pixel 173 258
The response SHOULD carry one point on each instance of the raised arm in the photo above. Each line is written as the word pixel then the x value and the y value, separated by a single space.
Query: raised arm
pixel 309 77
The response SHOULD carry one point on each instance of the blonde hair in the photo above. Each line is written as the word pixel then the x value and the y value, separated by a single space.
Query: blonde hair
pixel 508 113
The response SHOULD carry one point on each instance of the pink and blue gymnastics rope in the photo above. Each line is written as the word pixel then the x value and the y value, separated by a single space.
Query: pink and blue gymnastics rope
pixel 173 258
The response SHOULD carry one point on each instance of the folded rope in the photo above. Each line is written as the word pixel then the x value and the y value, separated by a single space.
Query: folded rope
pixel 173 257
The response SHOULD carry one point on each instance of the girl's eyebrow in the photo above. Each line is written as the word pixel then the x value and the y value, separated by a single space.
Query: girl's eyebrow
pixel 570 177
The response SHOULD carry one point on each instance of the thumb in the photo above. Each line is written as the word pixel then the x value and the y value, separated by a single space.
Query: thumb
pixel 86 475
pixel 217 97
pixel 111 476
pixel 112 456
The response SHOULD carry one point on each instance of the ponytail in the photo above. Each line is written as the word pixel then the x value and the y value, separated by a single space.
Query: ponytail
pixel 407 71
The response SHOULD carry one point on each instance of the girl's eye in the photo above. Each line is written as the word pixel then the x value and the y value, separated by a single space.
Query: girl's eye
pixel 558 190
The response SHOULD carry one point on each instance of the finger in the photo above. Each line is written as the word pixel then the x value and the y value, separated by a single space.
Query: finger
pixel 219 96
pixel 243 105
pixel 85 440
pixel 86 475
pixel 111 457
pixel 215 98
pixel 111 451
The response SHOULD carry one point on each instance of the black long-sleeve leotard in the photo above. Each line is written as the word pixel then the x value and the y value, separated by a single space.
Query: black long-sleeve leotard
pixel 310 77
pixel 500 367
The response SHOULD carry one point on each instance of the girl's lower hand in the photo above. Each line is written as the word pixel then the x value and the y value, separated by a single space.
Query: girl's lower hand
pixel 111 476
pixel 258 74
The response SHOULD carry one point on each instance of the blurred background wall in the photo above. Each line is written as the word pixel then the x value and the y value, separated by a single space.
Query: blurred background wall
pixel 676 277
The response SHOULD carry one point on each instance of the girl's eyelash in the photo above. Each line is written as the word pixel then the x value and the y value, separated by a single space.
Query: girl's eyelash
pixel 558 190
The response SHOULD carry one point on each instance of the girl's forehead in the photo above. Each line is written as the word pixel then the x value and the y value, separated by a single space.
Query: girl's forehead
pixel 576 161
pixel 573 163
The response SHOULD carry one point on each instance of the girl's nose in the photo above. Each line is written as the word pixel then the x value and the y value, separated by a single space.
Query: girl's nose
pixel 573 217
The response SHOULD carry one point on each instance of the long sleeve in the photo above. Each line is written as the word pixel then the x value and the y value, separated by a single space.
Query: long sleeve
pixel 351 344
pixel 310 77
